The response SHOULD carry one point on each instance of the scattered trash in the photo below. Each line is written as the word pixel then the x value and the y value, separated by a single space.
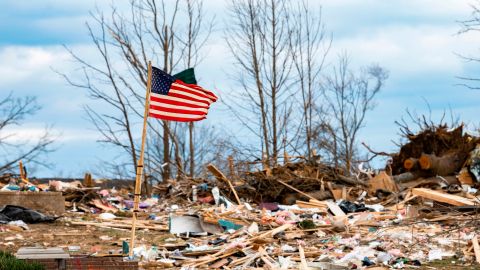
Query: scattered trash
pixel 106 216
pixel 12 212
pixel 298 215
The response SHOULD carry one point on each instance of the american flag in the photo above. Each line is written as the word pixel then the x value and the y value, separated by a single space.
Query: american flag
pixel 174 100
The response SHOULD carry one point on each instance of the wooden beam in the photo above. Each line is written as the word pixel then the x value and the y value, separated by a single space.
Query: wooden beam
pixel 442 197
pixel 292 188
pixel 220 176
pixel 476 248
pixel 336 210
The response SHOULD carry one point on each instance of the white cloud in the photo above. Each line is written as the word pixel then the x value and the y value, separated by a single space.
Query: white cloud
pixel 20 64
pixel 407 51
pixel 33 131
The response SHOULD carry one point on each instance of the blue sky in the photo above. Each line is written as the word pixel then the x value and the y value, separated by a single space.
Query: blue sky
pixel 414 39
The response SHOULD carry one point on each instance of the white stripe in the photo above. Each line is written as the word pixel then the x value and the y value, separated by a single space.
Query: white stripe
pixel 178 115
pixel 190 95
pixel 165 105
pixel 198 104
pixel 189 88
pixel 202 91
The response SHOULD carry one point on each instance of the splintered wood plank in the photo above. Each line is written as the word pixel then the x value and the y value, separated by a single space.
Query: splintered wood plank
pixel 41 253
pixel 442 197
pixel 220 263
pixel 476 248
pixel 303 261
pixel 219 175
pixel 336 210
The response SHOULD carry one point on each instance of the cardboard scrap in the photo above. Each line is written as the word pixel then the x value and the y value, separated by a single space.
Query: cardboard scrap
pixel 382 181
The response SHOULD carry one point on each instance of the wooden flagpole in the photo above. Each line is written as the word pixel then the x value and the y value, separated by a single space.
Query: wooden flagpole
pixel 139 175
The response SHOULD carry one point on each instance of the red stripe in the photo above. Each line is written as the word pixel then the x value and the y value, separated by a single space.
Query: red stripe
pixel 170 94
pixel 180 119
pixel 178 103
pixel 190 91
pixel 170 110
pixel 209 94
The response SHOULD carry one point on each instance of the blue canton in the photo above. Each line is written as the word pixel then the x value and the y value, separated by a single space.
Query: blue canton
pixel 161 81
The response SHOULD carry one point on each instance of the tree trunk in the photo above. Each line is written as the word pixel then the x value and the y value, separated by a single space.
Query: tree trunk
pixel 166 128
pixel 274 85
pixel 444 165
pixel 192 150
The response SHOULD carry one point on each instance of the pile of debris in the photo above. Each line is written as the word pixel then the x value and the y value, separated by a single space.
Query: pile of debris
pixel 423 207
pixel 435 152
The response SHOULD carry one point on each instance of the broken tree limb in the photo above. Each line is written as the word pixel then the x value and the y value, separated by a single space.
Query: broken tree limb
pixel 220 176
pixel 292 188
pixel 376 153
pixel 351 181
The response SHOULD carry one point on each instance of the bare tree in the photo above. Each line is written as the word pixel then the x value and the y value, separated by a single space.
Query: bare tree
pixel 197 35
pixel 125 42
pixel 310 46
pixel 12 112
pixel 349 97
pixel 472 24
pixel 258 40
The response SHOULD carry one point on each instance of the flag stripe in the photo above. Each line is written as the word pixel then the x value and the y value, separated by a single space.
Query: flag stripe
pixel 178 101
pixel 208 94
pixel 194 97
pixel 186 97
pixel 187 88
pixel 173 106
pixel 175 110
pixel 172 99
pixel 176 116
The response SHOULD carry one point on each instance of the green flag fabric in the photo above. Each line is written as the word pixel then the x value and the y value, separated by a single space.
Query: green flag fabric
pixel 187 76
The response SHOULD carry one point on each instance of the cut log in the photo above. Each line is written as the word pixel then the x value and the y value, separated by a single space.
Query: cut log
pixel 410 164
pixel 442 197
pixel 444 165
pixel 426 161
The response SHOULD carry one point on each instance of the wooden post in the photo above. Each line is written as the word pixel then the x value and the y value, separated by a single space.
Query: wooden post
pixel 23 174
pixel 231 167
pixel 138 178
pixel 220 176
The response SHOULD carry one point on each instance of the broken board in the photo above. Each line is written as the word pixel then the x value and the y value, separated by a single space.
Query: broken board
pixel 382 181
pixel 41 253
pixel 442 197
